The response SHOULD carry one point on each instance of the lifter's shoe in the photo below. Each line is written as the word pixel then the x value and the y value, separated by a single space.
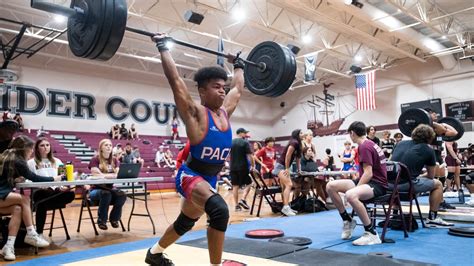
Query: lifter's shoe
pixel 157 259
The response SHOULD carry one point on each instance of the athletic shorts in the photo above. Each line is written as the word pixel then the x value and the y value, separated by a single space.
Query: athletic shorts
pixel 240 178
pixel 186 179
pixel 267 175
pixel 378 189
pixel 346 167
pixel 278 168
pixel 175 130
pixel 450 161
pixel 420 184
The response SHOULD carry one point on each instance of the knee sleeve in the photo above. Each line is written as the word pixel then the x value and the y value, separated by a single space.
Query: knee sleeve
pixel 450 176
pixel 218 212
pixel 183 224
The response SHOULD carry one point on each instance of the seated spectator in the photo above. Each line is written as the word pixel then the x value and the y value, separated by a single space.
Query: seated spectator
pixel 115 132
pixel 41 132
pixel 132 155
pixel 50 198
pixel 398 137
pixel 168 159
pixel 417 154
pixel 123 132
pixel 14 169
pixel 138 156
pixel 132 132
pixel 117 152
pixel 106 166
pixel 19 120
pixel 159 157
pixel 372 183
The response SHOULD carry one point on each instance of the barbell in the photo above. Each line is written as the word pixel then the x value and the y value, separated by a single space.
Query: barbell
pixel 413 117
pixel 96 29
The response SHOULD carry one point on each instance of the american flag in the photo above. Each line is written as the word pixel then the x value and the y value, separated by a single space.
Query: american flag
pixel 365 91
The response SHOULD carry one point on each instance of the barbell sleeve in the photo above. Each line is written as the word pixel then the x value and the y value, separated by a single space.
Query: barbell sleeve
pixel 197 47
pixel 56 9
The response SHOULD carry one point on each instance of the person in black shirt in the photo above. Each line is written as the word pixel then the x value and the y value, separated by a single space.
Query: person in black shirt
pixel 241 158
pixel 371 135
pixel 328 162
pixel 416 154
pixel 14 169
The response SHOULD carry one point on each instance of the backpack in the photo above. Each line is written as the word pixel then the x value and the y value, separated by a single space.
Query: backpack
pixel 314 205
pixel 298 204
pixel 396 223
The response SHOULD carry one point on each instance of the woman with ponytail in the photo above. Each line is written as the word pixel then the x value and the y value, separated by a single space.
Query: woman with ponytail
pixel 14 169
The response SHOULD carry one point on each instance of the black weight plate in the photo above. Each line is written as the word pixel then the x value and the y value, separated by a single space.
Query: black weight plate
pixel 411 118
pixel 460 234
pixel 264 233
pixel 298 241
pixel 454 123
pixel 106 28
pixel 290 70
pixel 116 32
pixel 463 230
pixel 380 254
pixel 266 82
pixel 84 31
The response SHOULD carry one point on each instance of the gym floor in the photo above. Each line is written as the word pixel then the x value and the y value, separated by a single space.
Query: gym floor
pixel 432 246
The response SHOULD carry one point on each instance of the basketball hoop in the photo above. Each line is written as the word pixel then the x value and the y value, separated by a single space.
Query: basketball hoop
pixel 7 75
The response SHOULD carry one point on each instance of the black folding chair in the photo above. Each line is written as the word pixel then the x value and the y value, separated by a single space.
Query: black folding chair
pixel 267 192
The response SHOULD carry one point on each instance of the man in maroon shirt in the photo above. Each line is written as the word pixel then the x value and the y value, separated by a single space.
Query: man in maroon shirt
pixel 372 183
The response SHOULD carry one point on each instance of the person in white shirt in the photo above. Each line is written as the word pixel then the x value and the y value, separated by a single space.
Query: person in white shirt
pixel 159 157
pixel 45 164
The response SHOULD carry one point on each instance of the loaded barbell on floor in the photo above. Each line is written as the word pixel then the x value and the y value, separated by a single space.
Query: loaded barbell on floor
pixel 413 117
pixel 96 29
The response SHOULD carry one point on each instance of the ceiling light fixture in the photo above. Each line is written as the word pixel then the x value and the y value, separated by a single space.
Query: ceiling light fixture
pixel 59 18
pixel 306 39
pixel 238 14
pixel 357 58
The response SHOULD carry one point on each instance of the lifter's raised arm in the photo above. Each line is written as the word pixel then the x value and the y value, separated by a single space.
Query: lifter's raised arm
pixel 187 108
pixel 238 82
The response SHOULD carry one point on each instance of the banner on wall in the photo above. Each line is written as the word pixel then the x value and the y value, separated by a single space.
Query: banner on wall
pixel 310 68
pixel 434 104
pixel 463 111
pixel 67 104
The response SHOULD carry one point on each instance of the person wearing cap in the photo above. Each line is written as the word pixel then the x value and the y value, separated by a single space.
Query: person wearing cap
pixel 241 160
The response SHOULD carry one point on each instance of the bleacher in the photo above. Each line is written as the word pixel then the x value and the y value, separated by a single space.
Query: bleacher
pixel 78 147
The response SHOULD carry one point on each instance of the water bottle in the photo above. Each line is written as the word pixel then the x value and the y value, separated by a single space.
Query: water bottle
pixel 461 196
pixel 69 171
